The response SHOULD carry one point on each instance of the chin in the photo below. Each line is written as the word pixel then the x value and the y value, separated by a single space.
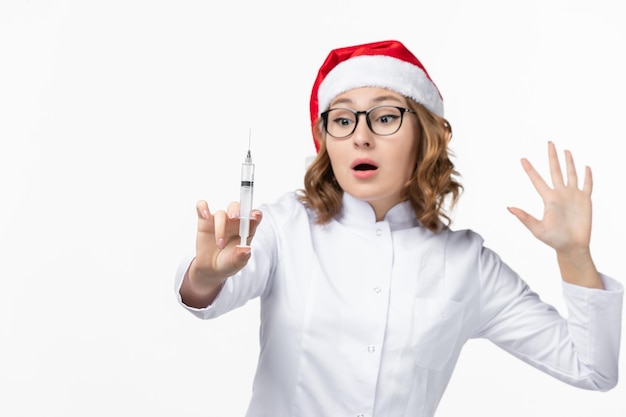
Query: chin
pixel 367 197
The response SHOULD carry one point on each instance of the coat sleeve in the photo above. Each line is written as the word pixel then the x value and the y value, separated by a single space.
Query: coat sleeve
pixel 581 350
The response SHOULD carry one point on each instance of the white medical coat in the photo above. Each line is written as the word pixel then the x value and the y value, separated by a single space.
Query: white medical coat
pixel 366 318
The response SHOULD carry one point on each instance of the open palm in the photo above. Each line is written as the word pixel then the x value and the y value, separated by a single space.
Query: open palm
pixel 566 222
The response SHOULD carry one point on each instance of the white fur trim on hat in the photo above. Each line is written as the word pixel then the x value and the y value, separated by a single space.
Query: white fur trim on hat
pixel 384 72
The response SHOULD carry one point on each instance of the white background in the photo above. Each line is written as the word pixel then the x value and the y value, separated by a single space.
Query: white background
pixel 117 116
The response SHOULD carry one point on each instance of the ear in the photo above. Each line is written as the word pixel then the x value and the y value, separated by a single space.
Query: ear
pixel 448 129
pixel 318 134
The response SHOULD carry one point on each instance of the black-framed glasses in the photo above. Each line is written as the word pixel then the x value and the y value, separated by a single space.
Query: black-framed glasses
pixel 382 120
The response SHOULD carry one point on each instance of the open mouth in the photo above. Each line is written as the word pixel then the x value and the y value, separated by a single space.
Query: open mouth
pixel 365 167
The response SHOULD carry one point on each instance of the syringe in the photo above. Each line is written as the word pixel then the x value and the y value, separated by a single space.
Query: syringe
pixel 245 200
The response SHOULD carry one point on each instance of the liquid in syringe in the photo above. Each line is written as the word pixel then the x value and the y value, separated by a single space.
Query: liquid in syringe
pixel 245 199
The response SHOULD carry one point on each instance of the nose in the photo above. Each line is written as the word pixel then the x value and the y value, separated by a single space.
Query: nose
pixel 362 135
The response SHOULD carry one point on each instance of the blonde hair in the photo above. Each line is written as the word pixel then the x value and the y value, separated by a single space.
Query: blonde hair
pixel 432 185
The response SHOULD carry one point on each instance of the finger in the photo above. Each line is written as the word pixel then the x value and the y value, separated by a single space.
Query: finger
pixel 538 182
pixel 588 181
pixel 572 177
pixel 233 210
pixel 219 222
pixel 202 208
pixel 555 167
pixel 240 257
pixel 255 218
pixel 527 220
pixel 205 218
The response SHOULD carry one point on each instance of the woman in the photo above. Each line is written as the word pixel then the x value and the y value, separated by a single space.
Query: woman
pixel 367 295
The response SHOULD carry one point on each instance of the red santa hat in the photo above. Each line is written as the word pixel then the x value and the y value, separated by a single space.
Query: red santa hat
pixel 385 64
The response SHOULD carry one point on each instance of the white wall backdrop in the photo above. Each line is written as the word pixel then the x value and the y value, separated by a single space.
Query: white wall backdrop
pixel 117 116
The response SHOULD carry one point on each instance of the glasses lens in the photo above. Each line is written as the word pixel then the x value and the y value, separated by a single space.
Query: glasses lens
pixel 340 122
pixel 385 120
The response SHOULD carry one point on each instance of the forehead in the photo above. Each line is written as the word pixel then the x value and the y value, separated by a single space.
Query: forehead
pixel 369 96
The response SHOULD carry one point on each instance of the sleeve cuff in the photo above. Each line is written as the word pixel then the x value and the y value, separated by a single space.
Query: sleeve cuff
pixel 203 313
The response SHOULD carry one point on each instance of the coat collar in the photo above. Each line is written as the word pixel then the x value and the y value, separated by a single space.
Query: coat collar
pixel 357 212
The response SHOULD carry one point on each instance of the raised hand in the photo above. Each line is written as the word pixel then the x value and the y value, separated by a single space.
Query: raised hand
pixel 566 222
pixel 218 254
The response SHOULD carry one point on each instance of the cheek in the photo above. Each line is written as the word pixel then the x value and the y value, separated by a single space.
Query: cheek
pixel 333 163
pixel 408 158
pixel 334 154
pixel 409 168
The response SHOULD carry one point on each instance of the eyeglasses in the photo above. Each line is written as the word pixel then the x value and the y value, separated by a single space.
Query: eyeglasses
pixel 382 120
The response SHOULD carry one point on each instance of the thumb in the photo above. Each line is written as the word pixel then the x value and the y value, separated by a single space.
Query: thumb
pixel 526 219
pixel 241 256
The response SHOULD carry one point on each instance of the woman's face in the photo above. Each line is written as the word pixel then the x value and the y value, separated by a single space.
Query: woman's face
pixel 368 166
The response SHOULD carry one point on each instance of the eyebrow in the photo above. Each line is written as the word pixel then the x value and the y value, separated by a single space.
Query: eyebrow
pixel 376 100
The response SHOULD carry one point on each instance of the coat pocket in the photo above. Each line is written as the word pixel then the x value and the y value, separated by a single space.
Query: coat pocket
pixel 437 325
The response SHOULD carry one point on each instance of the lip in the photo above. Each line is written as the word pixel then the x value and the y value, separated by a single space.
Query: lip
pixel 363 161
pixel 363 174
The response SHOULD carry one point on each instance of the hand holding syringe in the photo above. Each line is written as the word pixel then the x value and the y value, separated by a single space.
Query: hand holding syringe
pixel 222 242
